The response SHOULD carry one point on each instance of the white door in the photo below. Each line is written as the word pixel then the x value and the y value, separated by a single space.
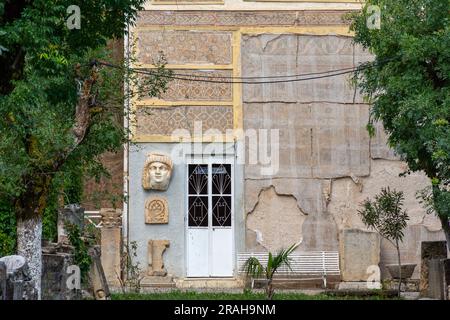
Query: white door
pixel 209 218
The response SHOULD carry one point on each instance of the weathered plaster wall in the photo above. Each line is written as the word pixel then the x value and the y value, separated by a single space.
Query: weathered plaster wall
pixel 277 220
pixel 322 128
pixel 174 257
pixel 328 163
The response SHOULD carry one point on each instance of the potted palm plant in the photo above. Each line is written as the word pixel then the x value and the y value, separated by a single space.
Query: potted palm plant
pixel 254 268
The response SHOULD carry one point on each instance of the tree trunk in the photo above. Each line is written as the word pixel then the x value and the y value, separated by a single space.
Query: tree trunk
pixel 29 245
pixel 399 268
pixel 269 290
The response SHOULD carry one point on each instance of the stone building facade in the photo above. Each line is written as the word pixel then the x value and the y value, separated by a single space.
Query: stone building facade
pixel 222 195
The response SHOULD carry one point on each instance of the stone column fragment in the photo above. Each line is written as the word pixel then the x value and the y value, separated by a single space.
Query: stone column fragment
pixel 156 250
pixel 111 244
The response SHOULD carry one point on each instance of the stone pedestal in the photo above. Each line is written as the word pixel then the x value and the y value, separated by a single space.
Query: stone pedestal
pixel 430 250
pixel 158 282
pixel 111 245
pixel 357 251
pixel 55 267
pixel 17 284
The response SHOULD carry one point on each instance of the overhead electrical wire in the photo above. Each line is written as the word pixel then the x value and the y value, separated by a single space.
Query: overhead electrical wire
pixel 208 79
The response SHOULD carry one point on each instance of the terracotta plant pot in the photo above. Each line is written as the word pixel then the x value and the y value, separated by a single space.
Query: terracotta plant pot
pixel 407 270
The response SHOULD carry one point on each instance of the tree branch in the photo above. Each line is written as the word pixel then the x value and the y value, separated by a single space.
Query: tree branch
pixel 82 117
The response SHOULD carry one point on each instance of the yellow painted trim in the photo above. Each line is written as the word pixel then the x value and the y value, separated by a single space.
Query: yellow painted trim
pixel 237 87
pixel 186 28
pixel 187 66
pixel 165 139
pixel 313 29
pixel 155 103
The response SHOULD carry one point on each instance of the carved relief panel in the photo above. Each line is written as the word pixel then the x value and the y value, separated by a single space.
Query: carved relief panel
pixel 156 210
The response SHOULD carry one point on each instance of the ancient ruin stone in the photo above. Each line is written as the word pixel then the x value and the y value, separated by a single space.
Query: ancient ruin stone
pixel 156 250
pixel 55 275
pixel 156 210
pixel 157 172
pixel 17 284
pixel 111 244
pixel 97 277
pixel 111 218
pixel 430 250
pixel 72 214
pixel 358 250
pixel 3 278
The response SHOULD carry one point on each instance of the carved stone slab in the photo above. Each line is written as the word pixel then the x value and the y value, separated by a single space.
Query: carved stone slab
pixel 111 218
pixel 156 210
pixel 156 250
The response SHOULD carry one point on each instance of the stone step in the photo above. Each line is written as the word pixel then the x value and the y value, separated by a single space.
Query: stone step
pixel 210 283
pixel 157 282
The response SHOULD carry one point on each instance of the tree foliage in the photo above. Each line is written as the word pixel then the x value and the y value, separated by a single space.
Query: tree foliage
pixel 59 106
pixel 385 214
pixel 44 66
pixel 409 85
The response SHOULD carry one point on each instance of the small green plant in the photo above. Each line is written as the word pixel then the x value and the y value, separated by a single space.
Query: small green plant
pixel 133 275
pixel 81 254
pixel 255 269
pixel 386 216
pixel 7 229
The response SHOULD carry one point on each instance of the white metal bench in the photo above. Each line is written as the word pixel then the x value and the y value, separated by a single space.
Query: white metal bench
pixel 316 264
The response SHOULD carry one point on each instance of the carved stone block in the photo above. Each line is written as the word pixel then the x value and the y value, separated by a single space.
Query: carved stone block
pixel 156 210
pixel 156 250
pixel 111 218
pixel 157 172
pixel 111 244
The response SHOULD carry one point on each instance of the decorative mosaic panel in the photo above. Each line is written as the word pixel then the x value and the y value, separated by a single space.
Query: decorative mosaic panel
pixel 164 120
pixel 191 90
pixel 240 18
pixel 184 47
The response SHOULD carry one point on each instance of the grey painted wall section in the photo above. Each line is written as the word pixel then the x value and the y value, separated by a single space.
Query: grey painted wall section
pixel 175 230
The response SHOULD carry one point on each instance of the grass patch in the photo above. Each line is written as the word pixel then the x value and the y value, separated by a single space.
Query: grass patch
pixel 246 295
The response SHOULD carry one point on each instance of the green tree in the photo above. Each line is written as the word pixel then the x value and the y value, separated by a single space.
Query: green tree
pixel 254 268
pixel 408 86
pixel 57 109
pixel 386 216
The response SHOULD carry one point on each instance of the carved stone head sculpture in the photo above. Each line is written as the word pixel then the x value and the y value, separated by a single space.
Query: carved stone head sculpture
pixel 157 172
